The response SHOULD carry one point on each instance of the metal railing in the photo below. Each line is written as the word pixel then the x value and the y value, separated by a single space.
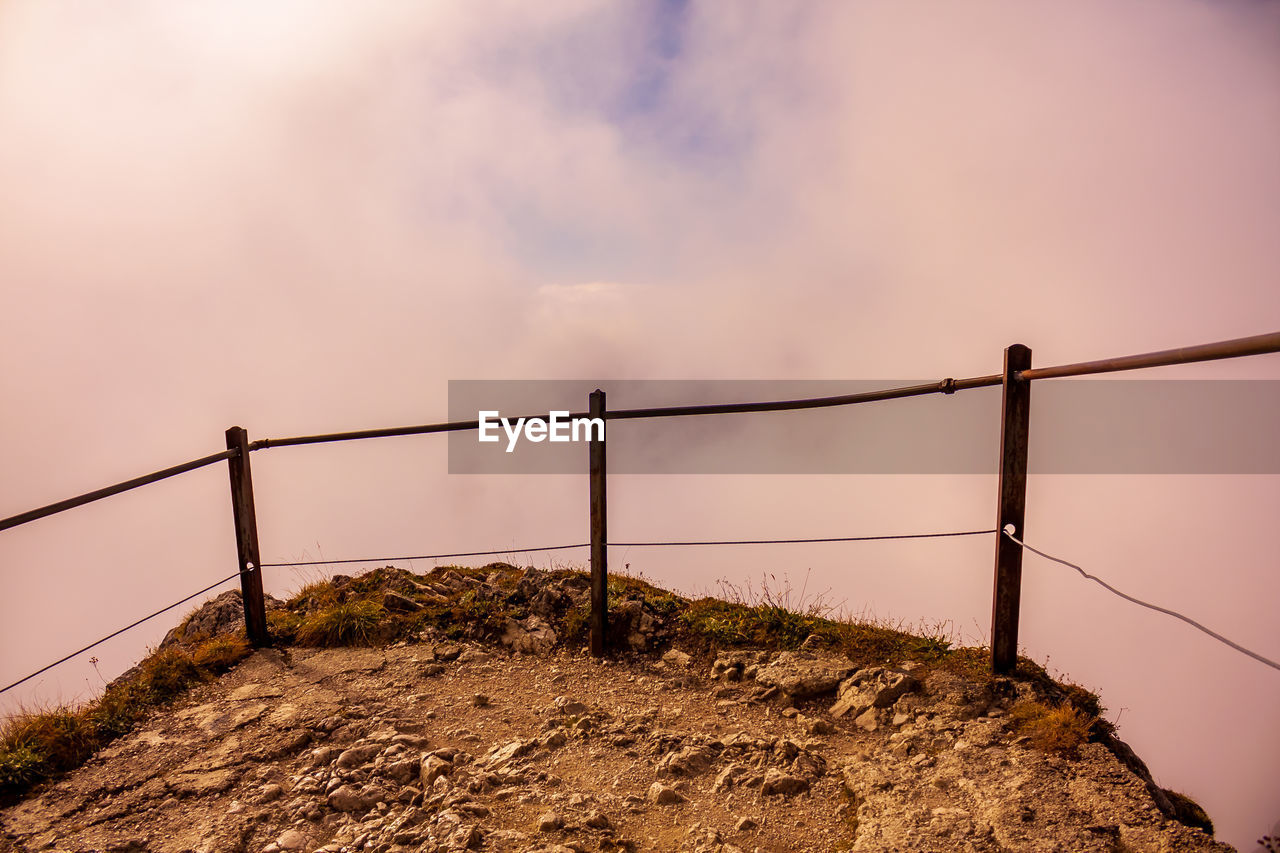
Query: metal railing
pixel 1014 380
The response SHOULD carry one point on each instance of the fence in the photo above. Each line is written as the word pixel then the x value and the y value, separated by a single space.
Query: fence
pixel 1015 381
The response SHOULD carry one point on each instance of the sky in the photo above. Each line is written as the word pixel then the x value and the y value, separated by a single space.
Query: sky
pixel 304 217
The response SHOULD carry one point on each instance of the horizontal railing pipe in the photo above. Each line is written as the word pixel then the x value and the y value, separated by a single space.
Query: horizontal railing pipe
pixel 264 443
pixel 944 386
pixel 99 494
pixel 1255 345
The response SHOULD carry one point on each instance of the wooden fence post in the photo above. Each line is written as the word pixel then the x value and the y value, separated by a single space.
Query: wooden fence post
pixel 599 532
pixel 1015 421
pixel 255 609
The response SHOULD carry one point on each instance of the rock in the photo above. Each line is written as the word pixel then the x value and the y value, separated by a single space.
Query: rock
pixel 291 839
pixel 347 799
pixel 804 674
pixel 550 822
pixel 597 820
pixel 877 687
pixel 633 623
pixel 729 777
pixel 532 636
pixel 868 720
pixel 777 782
pixel 508 752
pixel 204 784
pixel 223 614
pixel 127 845
pixel 689 761
pixel 675 657
pixel 479 700
pixel 571 707
pixel 432 767
pixel 270 792
pixel 466 837
pixel 746 824
pixel 664 795
pixel 446 652
pixel 818 727
pixel 357 755
pixel 554 739
pixel 397 603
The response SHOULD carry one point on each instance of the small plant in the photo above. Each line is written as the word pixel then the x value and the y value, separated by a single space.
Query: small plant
pixel 168 672
pixel 283 625
pixel 1188 812
pixel 1059 730
pixel 315 595
pixel 576 624
pixel 59 738
pixel 221 653
pixel 351 623
pixel 117 710
pixel 20 766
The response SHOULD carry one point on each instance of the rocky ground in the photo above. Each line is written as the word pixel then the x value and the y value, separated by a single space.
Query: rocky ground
pixel 523 745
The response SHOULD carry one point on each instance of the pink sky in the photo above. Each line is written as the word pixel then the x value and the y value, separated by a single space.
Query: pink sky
pixel 309 216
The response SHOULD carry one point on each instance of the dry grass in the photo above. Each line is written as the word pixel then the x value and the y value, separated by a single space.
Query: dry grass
pixel 1061 730
pixel 351 623
pixel 221 653
pixel 36 744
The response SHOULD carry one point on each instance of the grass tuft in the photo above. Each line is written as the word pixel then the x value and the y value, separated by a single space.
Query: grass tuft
pixel 351 623
pixel 168 672
pixel 1060 730
pixel 221 653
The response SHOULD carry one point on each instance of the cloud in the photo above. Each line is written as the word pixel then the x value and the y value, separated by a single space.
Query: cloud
pixel 310 216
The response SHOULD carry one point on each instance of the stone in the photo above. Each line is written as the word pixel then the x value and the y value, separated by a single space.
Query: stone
pixel 347 799
pixel 357 755
pixel 746 824
pixel 432 767
pixel 777 782
pixel 675 657
pixel 446 652
pixel 532 636
pixel 466 837
pixel 571 707
pixel 877 687
pixel 804 674
pixel 664 795
pixel 270 792
pixel 550 822
pixel 819 727
pixel 291 839
pixel 508 752
pixel 397 603
pixel 204 784
pixel 868 720
pixel 597 820
pixel 729 777
pixel 689 761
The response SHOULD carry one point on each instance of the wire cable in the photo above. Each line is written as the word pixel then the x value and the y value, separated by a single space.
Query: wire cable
pixel 633 545
pixel 118 633
pixel 424 556
pixel 1193 623
pixel 801 541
